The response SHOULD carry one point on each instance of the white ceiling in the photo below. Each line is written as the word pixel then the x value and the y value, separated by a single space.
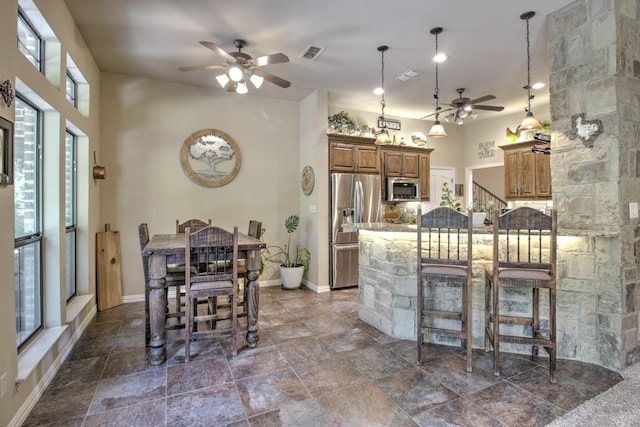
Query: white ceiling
pixel 485 41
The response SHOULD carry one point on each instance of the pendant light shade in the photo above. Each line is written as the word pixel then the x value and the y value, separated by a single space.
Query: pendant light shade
pixel 529 122
pixel 437 130
pixel 382 136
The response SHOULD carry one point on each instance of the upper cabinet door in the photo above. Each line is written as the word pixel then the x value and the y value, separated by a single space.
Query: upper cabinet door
pixel 353 155
pixel 342 158
pixel 527 175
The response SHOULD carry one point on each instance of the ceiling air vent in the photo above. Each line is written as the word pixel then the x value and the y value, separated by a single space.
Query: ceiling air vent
pixel 409 74
pixel 311 52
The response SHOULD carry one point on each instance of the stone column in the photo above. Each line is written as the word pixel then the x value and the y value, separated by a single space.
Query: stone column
pixel 594 52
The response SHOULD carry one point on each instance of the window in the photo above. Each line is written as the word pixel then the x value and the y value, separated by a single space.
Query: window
pixel 70 212
pixel 29 42
pixel 72 90
pixel 27 253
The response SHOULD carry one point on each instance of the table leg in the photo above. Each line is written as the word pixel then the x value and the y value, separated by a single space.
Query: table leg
pixel 157 308
pixel 253 299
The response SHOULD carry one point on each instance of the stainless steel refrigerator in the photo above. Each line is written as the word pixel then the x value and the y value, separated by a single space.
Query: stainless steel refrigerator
pixel 355 198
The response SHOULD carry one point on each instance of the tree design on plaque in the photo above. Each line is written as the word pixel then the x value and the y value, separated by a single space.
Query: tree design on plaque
pixel 210 157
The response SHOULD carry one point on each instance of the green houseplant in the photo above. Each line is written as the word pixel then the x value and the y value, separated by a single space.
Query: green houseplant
pixel 292 262
pixel 448 198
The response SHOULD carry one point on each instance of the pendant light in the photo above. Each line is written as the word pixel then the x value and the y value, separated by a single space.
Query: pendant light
pixel 529 122
pixel 382 136
pixel 437 130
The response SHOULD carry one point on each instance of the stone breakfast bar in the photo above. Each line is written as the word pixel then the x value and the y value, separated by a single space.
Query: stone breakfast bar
pixel 589 312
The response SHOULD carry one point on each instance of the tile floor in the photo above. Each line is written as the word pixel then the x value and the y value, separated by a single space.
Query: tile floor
pixel 316 364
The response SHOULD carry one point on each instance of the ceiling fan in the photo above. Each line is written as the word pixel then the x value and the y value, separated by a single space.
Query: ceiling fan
pixel 464 107
pixel 241 65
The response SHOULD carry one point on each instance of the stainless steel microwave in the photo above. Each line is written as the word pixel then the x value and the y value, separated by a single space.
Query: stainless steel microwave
pixel 403 189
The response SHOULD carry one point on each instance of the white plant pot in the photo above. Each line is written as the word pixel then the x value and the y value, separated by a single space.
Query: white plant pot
pixel 478 219
pixel 291 276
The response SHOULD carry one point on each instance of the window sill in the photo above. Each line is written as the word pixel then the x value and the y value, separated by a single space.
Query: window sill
pixel 51 346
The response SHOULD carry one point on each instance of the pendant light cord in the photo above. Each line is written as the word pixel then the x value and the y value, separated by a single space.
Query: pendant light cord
pixel 528 86
pixel 382 102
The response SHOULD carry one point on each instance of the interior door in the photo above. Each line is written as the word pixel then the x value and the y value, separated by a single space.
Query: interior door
pixel 437 177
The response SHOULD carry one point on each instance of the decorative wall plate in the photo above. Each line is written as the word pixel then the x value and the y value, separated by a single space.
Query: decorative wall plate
pixel 307 180
pixel 210 157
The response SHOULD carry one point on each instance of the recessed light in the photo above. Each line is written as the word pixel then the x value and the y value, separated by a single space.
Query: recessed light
pixel 538 85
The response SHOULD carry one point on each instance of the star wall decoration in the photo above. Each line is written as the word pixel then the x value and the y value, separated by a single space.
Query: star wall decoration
pixel 586 130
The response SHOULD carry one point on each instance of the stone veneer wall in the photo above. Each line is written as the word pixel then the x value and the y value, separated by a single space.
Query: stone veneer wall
pixel 388 290
pixel 594 52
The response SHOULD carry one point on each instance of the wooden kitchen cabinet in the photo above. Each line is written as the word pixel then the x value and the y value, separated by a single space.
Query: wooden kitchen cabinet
pixel 527 175
pixel 407 162
pixel 353 154
pixel 398 163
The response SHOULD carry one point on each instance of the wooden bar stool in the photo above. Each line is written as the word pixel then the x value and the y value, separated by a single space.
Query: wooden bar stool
pixel 524 257
pixel 444 255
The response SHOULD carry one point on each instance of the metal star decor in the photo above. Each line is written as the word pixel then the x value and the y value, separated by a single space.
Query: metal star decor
pixel 586 130
pixel 7 93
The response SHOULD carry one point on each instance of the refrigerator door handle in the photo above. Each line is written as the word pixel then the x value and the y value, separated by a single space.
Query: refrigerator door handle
pixel 358 196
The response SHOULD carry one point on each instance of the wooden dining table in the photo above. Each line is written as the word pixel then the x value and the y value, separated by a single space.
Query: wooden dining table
pixel 164 249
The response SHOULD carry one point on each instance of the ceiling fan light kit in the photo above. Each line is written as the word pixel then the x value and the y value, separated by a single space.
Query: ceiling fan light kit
pixel 437 130
pixel 529 122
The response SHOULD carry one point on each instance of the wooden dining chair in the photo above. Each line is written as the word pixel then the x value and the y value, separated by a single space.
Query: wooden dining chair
pixel 193 223
pixel 444 257
pixel 174 279
pixel 213 254
pixel 524 258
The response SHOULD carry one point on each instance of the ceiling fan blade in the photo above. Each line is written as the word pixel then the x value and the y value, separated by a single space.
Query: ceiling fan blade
pixel 488 107
pixel 271 78
pixel 276 58
pixel 433 114
pixel 482 99
pixel 202 67
pixel 217 49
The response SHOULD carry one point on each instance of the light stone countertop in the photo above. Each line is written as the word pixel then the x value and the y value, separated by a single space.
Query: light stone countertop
pixel 393 227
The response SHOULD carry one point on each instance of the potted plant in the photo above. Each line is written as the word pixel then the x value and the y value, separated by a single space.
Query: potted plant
pixel 292 263
pixel 480 212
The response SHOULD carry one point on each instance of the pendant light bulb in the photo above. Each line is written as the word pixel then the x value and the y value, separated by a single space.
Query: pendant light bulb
pixel 235 74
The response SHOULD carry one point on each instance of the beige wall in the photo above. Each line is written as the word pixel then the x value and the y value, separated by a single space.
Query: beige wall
pixel 143 126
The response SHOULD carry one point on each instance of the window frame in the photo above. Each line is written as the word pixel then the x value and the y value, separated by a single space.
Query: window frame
pixel 71 228
pixel 36 237
pixel 71 97
pixel 36 58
